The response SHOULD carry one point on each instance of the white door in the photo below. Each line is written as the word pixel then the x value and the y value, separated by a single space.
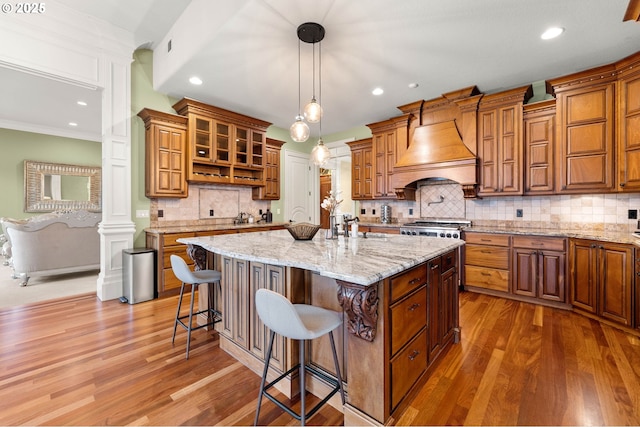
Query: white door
pixel 301 184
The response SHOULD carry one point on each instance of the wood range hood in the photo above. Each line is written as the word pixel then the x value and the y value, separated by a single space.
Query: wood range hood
pixel 442 144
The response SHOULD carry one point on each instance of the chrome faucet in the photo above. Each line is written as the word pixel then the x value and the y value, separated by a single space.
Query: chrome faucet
pixel 346 220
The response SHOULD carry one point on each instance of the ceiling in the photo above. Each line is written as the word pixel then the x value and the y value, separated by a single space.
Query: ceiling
pixel 246 52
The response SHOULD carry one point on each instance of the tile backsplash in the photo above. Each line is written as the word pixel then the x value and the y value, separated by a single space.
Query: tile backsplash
pixel 444 199
pixel 225 202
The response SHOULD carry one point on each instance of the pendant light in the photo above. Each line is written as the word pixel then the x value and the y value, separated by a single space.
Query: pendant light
pixel 309 32
pixel 299 130
pixel 320 153
pixel 313 110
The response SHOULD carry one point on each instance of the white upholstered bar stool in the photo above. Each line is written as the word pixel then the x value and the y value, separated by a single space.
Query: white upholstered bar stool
pixel 299 322
pixel 195 279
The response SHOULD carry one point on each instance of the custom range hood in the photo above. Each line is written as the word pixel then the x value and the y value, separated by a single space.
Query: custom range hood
pixel 441 144
pixel 437 151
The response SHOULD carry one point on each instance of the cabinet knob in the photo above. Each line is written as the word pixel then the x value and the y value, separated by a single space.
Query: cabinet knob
pixel 414 354
pixel 622 184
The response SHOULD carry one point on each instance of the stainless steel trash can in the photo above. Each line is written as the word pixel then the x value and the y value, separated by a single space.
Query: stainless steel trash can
pixel 139 275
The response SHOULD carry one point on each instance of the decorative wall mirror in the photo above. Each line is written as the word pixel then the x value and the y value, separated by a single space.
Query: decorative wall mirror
pixel 52 187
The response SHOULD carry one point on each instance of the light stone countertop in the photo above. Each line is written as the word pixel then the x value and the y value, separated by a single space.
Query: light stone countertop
pixel 605 236
pixel 210 227
pixel 358 260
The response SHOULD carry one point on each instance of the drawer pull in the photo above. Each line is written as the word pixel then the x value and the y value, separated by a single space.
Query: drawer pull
pixel 413 307
pixel 414 354
pixel 484 251
pixel 485 240
pixel 485 274
pixel 414 281
pixel 435 266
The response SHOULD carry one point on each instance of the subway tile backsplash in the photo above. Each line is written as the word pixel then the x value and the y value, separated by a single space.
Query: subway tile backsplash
pixel 606 212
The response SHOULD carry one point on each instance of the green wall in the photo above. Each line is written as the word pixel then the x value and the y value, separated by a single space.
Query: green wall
pixel 17 146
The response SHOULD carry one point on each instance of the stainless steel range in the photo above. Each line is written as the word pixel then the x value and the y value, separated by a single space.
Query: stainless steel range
pixel 445 228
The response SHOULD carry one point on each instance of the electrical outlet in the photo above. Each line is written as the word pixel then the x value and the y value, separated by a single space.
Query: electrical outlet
pixel 373 211
pixel 363 211
pixel 519 213
pixel 633 214
pixel 278 211
pixel 210 212
pixel 260 212
pixel 410 211
pixel 160 213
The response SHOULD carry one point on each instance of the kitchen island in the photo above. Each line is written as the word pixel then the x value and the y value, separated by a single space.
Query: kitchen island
pixel 399 296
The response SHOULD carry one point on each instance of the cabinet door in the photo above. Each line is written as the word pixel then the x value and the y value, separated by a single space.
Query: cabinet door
pixel 525 272
pixel 449 304
pixel 367 169
pixel 583 275
pixel 380 165
pixel 488 152
pixel 265 276
pixel 357 174
pixel 629 135
pixel 170 165
pixel 235 300
pixel 616 279
pixel 434 304
pixel 586 157
pixel 201 133
pixel 222 143
pixel 539 145
pixel 551 272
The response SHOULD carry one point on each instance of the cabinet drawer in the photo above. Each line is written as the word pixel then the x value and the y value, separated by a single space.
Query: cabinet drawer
pixel 407 317
pixel 533 242
pixel 170 280
pixel 181 251
pixel 487 256
pixel 408 281
pixel 449 260
pixel 487 239
pixel 407 367
pixel 488 278
pixel 170 239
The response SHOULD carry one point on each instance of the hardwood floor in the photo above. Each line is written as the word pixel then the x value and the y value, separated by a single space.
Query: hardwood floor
pixel 83 362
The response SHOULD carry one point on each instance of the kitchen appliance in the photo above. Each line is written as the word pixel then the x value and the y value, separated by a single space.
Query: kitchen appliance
pixel 445 228
pixel 385 214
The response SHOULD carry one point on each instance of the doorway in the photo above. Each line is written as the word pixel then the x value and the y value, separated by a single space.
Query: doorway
pixel 325 187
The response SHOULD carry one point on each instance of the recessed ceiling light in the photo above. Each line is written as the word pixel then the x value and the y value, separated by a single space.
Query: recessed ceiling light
pixel 195 80
pixel 377 91
pixel 552 33
pixel 413 85
pixel 73 124
pixel 82 103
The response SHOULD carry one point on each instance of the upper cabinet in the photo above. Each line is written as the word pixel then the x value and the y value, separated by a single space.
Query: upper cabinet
pixel 271 189
pixel 539 147
pixel 628 130
pixel 361 169
pixel 585 130
pixel 165 154
pixel 500 142
pixel 387 136
pixel 224 147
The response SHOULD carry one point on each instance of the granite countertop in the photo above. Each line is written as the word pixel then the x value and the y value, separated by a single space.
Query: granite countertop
pixel 210 227
pixel 605 236
pixel 358 260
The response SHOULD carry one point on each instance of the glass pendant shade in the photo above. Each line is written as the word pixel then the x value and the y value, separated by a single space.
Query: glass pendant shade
pixel 313 111
pixel 299 130
pixel 320 153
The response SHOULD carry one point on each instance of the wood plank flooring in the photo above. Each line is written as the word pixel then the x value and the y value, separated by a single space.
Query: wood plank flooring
pixel 84 362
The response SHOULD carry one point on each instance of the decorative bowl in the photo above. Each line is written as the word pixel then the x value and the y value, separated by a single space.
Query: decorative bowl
pixel 302 230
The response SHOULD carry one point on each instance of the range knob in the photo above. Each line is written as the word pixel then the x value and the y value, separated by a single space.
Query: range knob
pixel 414 233
pixel 456 236
pixel 449 235
pixel 442 235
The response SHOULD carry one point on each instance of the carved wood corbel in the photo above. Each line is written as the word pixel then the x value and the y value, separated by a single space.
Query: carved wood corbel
pixel 361 307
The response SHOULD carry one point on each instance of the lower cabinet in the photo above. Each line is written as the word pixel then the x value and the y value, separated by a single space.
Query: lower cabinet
pixel 235 300
pixel 601 276
pixel 486 262
pixel 424 317
pixel 539 265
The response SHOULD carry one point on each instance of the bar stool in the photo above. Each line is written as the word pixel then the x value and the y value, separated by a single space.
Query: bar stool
pixel 299 322
pixel 195 279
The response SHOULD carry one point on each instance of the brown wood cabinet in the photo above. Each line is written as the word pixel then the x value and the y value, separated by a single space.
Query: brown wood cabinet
pixel 601 279
pixel 500 142
pixel 539 265
pixel 487 261
pixel 271 189
pixel 539 147
pixel 585 130
pixel 386 136
pixel 165 154
pixel 636 289
pixel 361 169
pixel 628 119
pixel 224 147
